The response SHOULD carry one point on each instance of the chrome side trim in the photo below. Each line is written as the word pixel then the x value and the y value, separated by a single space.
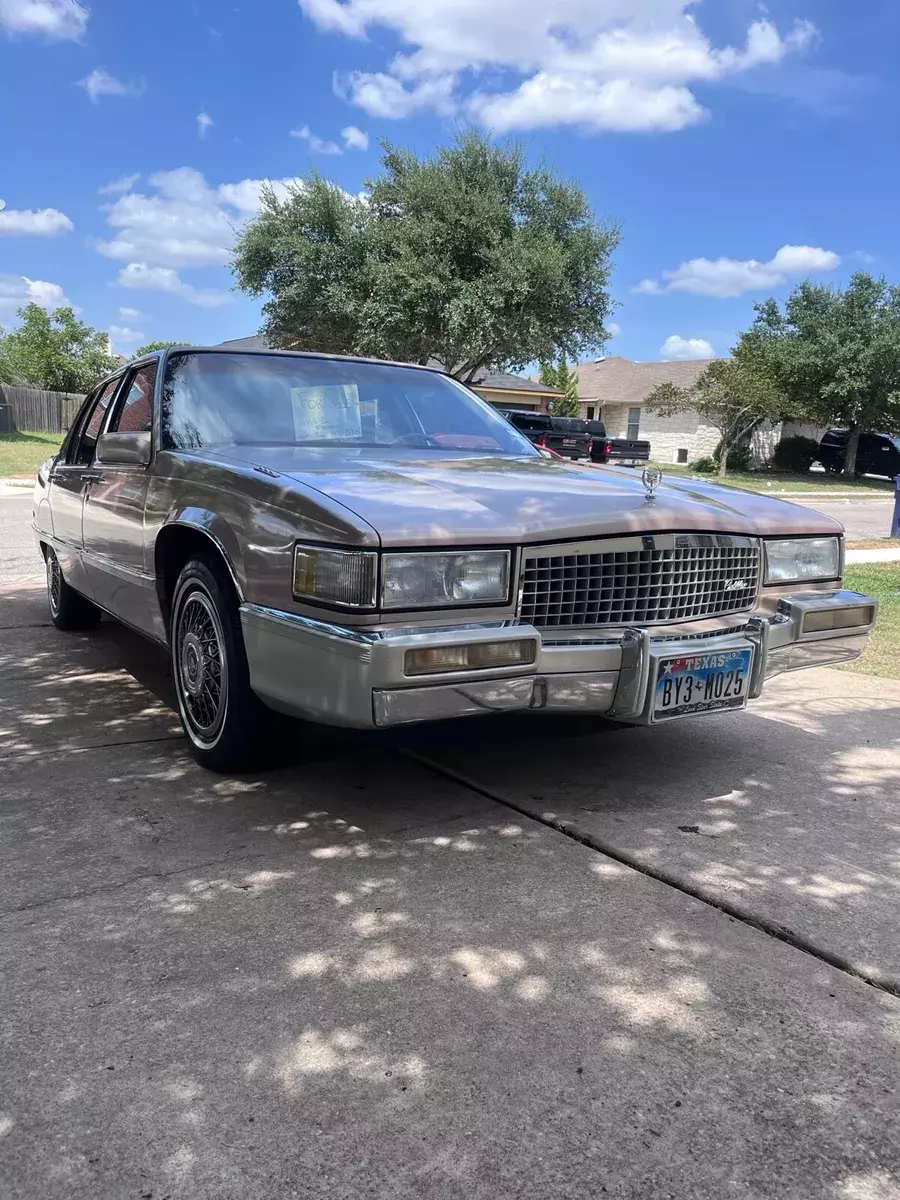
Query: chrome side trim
pixel 129 574
pixel 351 642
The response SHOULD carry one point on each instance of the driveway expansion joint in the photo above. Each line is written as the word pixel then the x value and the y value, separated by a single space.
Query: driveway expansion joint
pixel 781 933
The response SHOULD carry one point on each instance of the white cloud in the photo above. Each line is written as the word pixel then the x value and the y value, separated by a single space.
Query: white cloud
pixel 383 96
pixel 685 348
pixel 143 277
pixel 101 83
pixel 613 328
pixel 183 222
pixel 355 139
pixel 61 20
pixel 725 278
pixel 617 106
pixel 623 65
pixel 18 290
pixel 204 124
pixel 117 186
pixel 129 314
pixel 316 144
pixel 122 333
pixel 42 222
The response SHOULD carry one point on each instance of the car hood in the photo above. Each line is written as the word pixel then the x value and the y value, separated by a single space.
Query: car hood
pixel 414 498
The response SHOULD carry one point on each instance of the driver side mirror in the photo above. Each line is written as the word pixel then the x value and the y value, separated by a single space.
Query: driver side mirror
pixel 125 449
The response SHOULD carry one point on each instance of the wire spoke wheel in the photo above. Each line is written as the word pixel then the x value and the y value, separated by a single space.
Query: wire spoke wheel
pixel 201 667
pixel 54 583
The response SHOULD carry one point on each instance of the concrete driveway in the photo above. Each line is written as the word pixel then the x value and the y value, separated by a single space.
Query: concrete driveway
pixel 360 976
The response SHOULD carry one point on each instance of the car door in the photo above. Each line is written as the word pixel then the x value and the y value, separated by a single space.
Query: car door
pixel 69 481
pixel 114 513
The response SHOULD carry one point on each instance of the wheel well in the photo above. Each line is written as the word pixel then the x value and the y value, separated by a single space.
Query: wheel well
pixel 176 545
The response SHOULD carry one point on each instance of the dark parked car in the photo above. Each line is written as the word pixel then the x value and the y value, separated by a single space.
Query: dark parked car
pixel 877 453
pixel 567 436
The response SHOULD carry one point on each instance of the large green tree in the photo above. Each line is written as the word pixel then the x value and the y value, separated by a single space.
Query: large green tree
pixel 835 354
pixel 732 396
pixel 54 351
pixel 468 257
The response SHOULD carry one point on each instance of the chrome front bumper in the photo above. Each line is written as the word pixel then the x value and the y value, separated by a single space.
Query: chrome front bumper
pixel 354 677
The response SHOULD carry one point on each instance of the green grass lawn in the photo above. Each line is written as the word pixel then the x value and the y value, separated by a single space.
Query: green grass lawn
pixel 882 656
pixel 779 481
pixel 22 453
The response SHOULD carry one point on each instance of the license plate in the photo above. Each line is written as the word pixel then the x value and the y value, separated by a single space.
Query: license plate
pixel 701 683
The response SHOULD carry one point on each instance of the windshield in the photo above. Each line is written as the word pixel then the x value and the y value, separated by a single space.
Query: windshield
pixel 223 399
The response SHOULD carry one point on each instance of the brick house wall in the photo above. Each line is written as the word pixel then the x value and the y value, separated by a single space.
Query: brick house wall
pixel 686 433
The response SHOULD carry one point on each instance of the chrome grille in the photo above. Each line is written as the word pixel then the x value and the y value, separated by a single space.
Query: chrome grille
pixel 641 581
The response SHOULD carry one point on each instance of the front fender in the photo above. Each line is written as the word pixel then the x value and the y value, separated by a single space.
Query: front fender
pixel 218 530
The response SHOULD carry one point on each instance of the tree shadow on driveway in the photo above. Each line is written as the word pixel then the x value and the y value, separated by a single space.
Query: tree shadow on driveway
pixel 354 977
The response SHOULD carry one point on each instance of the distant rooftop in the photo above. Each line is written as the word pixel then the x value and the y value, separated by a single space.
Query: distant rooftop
pixel 617 380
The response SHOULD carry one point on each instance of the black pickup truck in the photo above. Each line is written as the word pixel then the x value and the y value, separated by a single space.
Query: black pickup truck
pixel 566 436
pixel 625 451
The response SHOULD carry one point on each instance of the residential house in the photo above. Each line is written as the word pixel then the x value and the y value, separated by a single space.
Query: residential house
pixel 615 389
pixel 500 389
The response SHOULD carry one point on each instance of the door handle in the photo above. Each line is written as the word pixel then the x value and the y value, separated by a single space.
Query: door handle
pixel 91 476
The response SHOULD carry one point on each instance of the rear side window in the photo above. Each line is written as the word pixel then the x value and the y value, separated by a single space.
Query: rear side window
pixel 85 444
pixel 135 411
pixel 534 422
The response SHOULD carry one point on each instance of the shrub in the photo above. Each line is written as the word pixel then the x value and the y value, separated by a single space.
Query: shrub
pixel 738 460
pixel 738 457
pixel 795 454
pixel 705 466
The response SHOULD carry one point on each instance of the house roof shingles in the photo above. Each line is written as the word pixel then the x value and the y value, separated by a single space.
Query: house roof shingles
pixel 620 381
pixel 490 380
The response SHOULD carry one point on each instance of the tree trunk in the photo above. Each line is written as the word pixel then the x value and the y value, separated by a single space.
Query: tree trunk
pixel 850 454
pixel 724 447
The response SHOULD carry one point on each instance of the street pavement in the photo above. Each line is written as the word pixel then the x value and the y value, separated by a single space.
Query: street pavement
pixel 19 557
pixel 860 518
pixel 361 975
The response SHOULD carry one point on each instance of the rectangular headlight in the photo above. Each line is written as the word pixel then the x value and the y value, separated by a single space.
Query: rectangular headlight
pixel 798 560
pixel 437 580
pixel 347 578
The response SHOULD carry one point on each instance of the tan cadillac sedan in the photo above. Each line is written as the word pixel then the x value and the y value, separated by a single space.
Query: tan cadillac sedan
pixel 369 544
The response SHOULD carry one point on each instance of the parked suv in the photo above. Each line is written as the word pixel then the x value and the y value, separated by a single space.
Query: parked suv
pixel 877 453
pixel 567 436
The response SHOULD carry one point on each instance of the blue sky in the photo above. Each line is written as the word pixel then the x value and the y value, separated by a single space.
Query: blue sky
pixel 740 148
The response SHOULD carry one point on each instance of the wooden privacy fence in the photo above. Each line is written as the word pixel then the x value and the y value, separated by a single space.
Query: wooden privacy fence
pixel 39 412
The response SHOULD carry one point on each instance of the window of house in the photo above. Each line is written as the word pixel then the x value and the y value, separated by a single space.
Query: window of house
pixel 135 414
pixel 634 424
pixel 591 409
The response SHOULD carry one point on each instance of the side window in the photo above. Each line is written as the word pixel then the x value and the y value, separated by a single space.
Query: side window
pixel 86 442
pixel 134 413
pixel 634 424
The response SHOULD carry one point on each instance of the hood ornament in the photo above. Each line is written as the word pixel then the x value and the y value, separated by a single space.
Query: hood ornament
pixel 652 478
